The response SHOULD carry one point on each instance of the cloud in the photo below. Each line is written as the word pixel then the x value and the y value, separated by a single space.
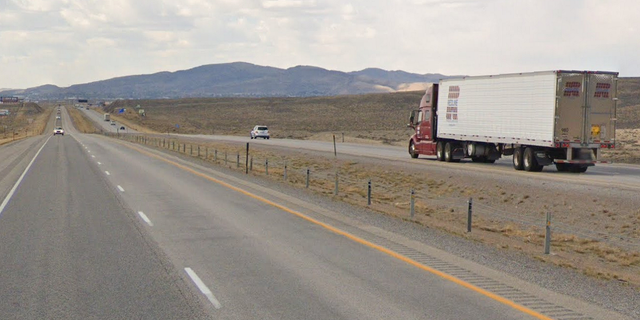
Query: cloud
pixel 37 5
pixel 100 39
pixel 269 4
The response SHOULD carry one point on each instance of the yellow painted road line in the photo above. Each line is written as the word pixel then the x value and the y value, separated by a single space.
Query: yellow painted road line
pixel 352 237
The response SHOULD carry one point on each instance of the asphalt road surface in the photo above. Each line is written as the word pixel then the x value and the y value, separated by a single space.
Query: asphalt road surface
pixel 104 229
pixel 611 175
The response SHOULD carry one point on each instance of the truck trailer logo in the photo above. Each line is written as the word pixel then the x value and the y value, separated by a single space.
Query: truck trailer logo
pixel 572 89
pixel 602 90
pixel 452 103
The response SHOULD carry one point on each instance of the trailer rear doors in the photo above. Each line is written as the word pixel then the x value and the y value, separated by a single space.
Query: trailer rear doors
pixel 586 107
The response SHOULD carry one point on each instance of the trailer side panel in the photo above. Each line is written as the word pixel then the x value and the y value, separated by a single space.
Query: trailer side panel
pixel 512 108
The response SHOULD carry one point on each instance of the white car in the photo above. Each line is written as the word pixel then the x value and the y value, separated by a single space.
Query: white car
pixel 113 123
pixel 58 131
pixel 58 118
pixel 260 132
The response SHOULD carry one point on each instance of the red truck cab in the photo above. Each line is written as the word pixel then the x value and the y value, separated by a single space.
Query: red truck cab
pixel 423 121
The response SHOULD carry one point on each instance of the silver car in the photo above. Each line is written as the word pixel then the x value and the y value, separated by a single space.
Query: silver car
pixel 260 132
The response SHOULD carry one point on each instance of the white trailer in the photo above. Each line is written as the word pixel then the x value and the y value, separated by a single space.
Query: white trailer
pixel 107 117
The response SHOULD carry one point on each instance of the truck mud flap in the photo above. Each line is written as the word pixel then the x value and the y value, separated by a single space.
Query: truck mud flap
pixel 458 153
pixel 543 159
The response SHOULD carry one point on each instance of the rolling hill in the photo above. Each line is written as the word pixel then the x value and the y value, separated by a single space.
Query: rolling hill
pixel 238 79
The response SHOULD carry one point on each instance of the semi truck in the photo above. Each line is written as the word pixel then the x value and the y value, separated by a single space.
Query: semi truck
pixel 556 117
pixel 107 117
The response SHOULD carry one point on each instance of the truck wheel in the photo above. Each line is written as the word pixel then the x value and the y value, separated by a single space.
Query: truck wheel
pixel 412 150
pixel 440 151
pixel 517 159
pixel 448 153
pixel 529 161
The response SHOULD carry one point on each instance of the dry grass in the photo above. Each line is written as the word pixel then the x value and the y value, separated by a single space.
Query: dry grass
pixel 372 117
pixel 81 122
pixel 26 120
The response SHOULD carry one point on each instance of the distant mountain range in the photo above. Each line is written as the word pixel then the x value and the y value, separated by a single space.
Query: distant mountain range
pixel 238 79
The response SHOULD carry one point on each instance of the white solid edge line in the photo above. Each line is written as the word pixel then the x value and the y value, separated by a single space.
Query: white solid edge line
pixel 15 186
pixel 107 173
pixel 145 218
pixel 203 288
pixel 120 188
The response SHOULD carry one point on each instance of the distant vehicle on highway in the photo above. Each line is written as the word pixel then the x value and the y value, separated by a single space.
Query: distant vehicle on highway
pixel 57 117
pixel 260 132
pixel 107 117
pixel 113 123
pixel 122 128
pixel 58 131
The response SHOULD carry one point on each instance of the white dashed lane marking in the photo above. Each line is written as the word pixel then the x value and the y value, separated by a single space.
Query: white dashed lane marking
pixel 203 288
pixel 145 218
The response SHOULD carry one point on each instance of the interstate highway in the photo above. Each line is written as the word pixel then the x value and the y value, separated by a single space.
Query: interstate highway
pixel 99 228
pixel 105 126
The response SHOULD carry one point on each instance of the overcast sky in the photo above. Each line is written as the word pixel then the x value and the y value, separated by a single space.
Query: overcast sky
pixel 65 42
